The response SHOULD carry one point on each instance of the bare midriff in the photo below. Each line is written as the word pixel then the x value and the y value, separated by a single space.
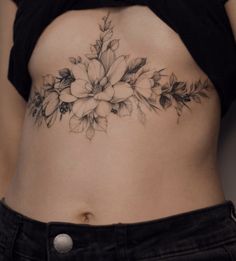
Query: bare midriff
pixel 142 165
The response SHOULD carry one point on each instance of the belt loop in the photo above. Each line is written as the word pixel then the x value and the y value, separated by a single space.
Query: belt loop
pixel 233 211
pixel 13 232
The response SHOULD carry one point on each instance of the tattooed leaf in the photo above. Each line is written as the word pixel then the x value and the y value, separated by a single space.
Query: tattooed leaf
pixel 99 44
pixel 113 44
pixel 165 87
pixel 108 57
pixel 187 98
pixel 84 106
pixel 206 84
pixel 103 108
pixel 191 87
pixel 177 97
pixel 107 36
pixel 198 86
pixel 93 49
pixel 90 132
pixel 100 124
pixel 125 108
pixel 197 99
pixel 122 92
pixel 141 116
pixel 136 64
pixel 179 109
pixel 51 103
pixel 165 101
pixel 173 79
pixel 203 94
pixel 50 120
pixel 78 124
pixel 117 70
pixel 101 28
pixel 179 87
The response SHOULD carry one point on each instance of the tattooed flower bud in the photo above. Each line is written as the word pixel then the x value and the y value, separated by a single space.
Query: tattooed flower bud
pixel 114 44
pixel 64 107
pixel 156 77
pixel 49 80
pixel 64 73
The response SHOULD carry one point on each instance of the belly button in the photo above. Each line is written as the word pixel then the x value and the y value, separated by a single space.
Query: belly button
pixel 86 217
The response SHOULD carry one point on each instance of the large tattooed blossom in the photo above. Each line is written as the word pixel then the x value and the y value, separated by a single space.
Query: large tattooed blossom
pixel 97 88
pixel 105 83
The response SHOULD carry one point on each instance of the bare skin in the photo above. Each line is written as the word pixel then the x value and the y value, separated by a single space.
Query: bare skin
pixel 132 172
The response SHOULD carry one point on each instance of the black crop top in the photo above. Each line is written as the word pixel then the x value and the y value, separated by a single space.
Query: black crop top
pixel 203 26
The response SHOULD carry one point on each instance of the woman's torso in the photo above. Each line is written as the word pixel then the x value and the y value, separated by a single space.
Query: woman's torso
pixel 133 171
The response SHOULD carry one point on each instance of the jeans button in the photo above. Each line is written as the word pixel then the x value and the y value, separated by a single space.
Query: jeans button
pixel 63 243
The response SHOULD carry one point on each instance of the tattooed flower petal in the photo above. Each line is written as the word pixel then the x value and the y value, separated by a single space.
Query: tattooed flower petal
pixel 83 106
pixel 144 87
pixel 80 72
pixel 66 96
pixel 80 88
pixel 122 92
pixel 96 71
pixel 108 57
pixel 117 70
pixel 106 95
pixel 103 108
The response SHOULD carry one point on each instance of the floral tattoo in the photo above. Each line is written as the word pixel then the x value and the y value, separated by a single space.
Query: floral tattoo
pixel 103 83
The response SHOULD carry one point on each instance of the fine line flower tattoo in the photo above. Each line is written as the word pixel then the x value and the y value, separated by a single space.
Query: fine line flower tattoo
pixel 105 82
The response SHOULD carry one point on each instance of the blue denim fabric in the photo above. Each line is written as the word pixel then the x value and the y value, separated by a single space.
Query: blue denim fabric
pixel 206 234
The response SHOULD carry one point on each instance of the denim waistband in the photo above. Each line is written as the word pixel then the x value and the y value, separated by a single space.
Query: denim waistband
pixel 194 229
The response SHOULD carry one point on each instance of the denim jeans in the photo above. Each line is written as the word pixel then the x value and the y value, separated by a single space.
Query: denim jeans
pixel 206 234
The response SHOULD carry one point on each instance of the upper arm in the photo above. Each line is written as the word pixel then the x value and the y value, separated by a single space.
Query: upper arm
pixel 12 105
pixel 231 11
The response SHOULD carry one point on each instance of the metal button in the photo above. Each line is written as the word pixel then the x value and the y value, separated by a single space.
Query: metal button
pixel 63 243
